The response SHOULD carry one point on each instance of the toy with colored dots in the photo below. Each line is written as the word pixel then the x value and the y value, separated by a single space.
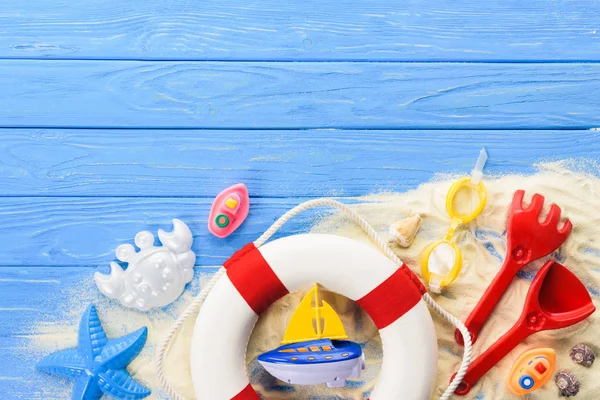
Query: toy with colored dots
pixel 531 371
pixel 229 210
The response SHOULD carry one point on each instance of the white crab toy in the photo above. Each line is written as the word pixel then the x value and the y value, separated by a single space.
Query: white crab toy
pixel 155 276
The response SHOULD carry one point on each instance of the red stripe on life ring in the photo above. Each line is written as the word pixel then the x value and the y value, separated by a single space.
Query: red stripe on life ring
pixel 254 279
pixel 247 394
pixel 393 298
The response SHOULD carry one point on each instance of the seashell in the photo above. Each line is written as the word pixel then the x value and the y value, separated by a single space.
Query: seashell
pixel 582 354
pixel 404 231
pixel 567 383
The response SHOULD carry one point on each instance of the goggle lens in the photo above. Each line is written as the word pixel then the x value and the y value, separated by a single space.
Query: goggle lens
pixel 442 259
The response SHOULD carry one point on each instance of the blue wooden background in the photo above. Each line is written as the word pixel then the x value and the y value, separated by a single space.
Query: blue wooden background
pixel 116 116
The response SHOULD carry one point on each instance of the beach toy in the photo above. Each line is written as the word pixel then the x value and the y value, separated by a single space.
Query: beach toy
pixel 567 383
pixel 315 350
pixel 404 231
pixel 98 365
pixel 259 274
pixel 531 371
pixel 556 299
pixel 442 260
pixel 583 355
pixel 156 275
pixel 527 240
pixel 229 210
pixel 257 277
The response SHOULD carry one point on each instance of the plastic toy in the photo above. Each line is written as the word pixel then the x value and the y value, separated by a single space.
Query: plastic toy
pixel 257 276
pixel 581 354
pixel 527 240
pixel 314 350
pixel 442 261
pixel 313 321
pixel 98 365
pixel 531 371
pixel 556 299
pixel 261 273
pixel 156 276
pixel 567 383
pixel 229 210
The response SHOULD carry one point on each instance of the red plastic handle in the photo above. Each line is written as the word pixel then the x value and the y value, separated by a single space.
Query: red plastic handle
pixel 490 298
pixel 492 356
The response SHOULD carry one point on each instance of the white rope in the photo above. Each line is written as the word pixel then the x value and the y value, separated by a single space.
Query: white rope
pixel 193 308
pixel 383 246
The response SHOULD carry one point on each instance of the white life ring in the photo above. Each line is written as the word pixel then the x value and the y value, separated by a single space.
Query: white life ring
pixel 255 278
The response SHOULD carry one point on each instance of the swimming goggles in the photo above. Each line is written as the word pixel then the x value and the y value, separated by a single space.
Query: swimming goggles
pixel 442 260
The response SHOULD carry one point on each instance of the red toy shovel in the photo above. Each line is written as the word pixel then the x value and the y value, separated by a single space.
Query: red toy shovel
pixel 527 240
pixel 556 299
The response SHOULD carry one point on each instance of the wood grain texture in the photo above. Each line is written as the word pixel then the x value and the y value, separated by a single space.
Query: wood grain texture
pixel 298 95
pixel 193 123
pixel 18 378
pixel 308 30
pixel 30 299
pixel 305 163
pixel 44 302
pixel 32 295
pixel 86 231
pixel 36 299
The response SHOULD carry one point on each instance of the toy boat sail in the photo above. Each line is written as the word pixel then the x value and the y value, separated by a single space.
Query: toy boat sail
pixel 314 348
pixel 312 321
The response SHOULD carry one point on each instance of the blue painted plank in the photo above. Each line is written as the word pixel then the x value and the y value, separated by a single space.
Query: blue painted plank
pixel 34 299
pixel 74 231
pixel 39 302
pixel 305 163
pixel 18 378
pixel 32 295
pixel 307 30
pixel 70 231
pixel 298 95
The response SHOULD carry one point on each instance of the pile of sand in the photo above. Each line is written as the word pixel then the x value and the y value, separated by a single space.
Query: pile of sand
pixel 575 188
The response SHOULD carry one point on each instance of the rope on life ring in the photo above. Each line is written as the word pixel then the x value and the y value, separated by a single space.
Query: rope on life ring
pixel 196 304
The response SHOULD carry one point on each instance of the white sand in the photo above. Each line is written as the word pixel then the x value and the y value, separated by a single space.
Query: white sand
pixel 575 187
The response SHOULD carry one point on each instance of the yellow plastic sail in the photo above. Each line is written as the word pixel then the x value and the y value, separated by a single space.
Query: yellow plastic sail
pixel 314 322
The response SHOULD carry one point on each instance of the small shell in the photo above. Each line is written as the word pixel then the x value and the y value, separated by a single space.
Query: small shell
pixel 582 354
pixel 567 383
pixel 404 231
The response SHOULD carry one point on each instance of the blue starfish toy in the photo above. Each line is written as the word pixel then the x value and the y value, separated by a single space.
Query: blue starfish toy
pixel 98 364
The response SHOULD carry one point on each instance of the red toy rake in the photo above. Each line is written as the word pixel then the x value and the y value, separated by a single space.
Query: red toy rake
pixel 527 240
pixel 556 299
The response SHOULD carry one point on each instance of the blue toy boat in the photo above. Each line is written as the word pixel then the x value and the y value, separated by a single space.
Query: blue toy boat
pixel 315 350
